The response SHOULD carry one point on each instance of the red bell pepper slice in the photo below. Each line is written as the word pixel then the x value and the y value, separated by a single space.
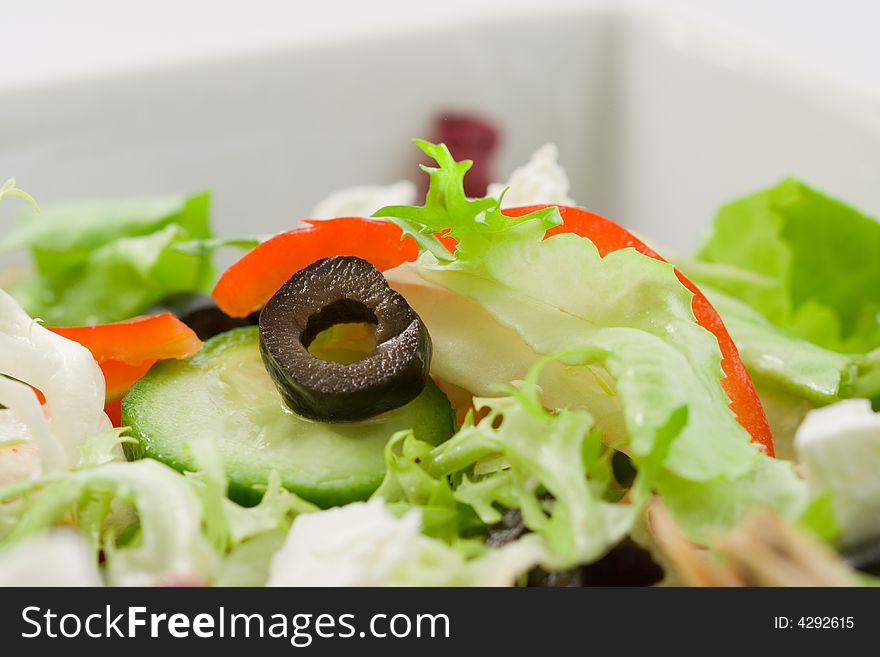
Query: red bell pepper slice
pixel 609 236
pixel 249 283
pixel 120 376
pixel 113 409
pixel 126 350
pixel 135 340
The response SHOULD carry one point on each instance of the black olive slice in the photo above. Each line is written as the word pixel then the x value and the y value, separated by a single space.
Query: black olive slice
pixel 339 290
pixel 865 557
pixel 626 564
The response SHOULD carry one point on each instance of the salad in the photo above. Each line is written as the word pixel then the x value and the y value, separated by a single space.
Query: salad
pixel 479 390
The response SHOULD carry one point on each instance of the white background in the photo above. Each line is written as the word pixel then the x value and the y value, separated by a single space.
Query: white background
pixel 56 40
pixel 273 105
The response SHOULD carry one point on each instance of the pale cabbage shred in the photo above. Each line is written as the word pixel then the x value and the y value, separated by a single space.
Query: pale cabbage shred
pixel 67 375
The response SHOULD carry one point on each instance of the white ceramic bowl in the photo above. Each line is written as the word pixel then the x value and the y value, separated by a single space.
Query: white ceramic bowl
pixel 657 122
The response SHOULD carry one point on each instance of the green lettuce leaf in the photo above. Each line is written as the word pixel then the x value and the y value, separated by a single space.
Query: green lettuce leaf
pixel 820 256
pixel 431 562
pixel 774 356
pixel 248 563
pixel 794 276
pixel 705 509
pixel 867 382
pixel 624 321
pixel 819 518
pixel 108 261
pixel 626 313
pixel 204 246
pixel 633 315
pixel 407 485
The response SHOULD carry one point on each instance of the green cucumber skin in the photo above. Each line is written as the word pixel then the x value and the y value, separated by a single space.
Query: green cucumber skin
pixel 430 416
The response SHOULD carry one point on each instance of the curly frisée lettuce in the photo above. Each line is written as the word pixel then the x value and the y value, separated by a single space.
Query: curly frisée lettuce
pixel 624 315
pixel 106 261
pixel 626 312
pixel 447 209
pixel 551 466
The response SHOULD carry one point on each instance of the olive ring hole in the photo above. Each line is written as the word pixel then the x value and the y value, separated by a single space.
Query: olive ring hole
pixel 343 331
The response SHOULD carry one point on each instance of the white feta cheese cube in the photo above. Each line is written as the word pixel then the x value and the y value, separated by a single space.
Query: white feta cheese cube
pixel 541 180
pixel 355 545
pixel 365 200
pixel 840 447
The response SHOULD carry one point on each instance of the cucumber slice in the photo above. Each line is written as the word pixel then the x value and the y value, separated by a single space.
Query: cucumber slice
pixel 224 393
